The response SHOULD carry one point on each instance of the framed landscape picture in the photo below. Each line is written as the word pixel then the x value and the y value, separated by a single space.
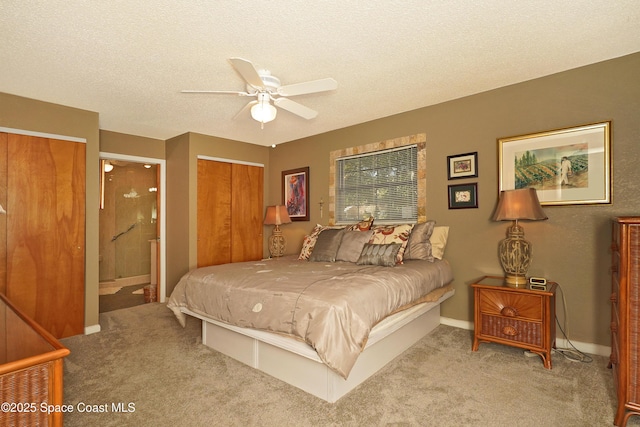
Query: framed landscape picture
pixel 462 166
pixel 295 193
pixel 566 166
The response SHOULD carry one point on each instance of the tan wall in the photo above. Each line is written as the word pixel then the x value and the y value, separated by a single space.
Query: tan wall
pixel 178 181
pixel 572 247
pixel 131 145
pixel 37 116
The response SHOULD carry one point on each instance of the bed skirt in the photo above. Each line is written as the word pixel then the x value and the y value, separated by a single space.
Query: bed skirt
pixel 297 364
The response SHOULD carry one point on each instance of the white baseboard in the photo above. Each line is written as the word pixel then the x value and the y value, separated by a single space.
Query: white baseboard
pixel 584 347
pixel 88 330
pixel 462 324
pixel 588 348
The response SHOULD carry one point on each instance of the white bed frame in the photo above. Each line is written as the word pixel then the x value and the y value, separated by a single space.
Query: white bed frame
pixel 296 363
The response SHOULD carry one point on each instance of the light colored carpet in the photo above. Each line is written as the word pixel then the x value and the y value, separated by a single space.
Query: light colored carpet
pixel 142 356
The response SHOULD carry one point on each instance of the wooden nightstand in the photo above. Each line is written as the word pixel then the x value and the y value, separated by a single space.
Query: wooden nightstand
pixel 518 317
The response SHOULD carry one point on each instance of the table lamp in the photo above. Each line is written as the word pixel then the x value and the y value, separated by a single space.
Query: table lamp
pixel 277 215
pixel 515 251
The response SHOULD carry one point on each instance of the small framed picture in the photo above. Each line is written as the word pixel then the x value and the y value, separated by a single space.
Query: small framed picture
pixel 295 193
pixel 462 165
pixel 463 196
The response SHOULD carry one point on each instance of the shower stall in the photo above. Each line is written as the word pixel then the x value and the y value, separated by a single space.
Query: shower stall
pixel 128 224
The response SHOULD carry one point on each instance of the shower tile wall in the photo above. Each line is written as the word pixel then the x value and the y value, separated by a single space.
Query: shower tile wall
pixel 127 222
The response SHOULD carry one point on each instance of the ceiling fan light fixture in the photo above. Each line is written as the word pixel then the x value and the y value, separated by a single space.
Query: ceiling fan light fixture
pixel 261 85
pixel 263 111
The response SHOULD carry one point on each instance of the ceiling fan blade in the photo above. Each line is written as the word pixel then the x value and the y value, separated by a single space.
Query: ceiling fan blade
pixel 295 108
pixel 221 92
pixel 245 109
pixel 308 87
pixel 248 72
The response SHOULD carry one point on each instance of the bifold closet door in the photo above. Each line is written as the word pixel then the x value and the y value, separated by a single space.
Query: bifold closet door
pixel 230 204
pixel 45 231
pixel 214 213
pixel 247 212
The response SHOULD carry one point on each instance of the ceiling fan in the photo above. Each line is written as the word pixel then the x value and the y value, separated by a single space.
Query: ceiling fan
pixel 266 88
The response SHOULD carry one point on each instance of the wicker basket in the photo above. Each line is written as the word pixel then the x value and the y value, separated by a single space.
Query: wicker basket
pixel 27 386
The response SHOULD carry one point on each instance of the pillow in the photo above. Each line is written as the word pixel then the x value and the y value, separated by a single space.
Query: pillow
pixel 326 246
pixel 419 246
pixel 384 255
pixel 363 225
pixel 439 240
pixel 383 234
pixel 352 244
pixel 309 241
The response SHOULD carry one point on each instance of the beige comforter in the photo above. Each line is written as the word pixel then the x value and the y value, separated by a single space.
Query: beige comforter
pixel 330 306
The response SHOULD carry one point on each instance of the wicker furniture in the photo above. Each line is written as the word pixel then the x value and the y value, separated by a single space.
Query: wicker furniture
pixel 30 371
pixel 518 317
pixel 625 322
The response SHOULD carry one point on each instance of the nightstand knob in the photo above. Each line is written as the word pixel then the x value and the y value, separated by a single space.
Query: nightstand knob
pixel 509 312
pixel 510 331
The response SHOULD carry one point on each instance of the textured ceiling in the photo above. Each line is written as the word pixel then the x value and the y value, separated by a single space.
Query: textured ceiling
pixel 129 60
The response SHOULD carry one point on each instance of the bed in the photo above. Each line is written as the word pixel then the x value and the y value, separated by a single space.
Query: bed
pixel 321 324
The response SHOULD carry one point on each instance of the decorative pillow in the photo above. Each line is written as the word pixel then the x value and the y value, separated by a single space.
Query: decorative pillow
pixel 363 225
pixel 383 234
pixel 352 244
pixel 419 246
pixel 309 241
pixel 439 240
pixel 327 245
pixel 384 255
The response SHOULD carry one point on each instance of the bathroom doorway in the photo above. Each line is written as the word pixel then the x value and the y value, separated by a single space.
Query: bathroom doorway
pixel 131 222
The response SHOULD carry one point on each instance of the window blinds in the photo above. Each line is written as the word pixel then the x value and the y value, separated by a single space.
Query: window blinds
pixel 382 184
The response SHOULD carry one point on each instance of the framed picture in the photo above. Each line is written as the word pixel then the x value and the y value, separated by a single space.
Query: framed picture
pixel 462 165
pixel 295 193
pixel 463 196
pixel 569 166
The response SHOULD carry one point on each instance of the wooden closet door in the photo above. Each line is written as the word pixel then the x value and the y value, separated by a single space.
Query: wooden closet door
pixel 4 138
pixel 214 213
pixel 46 231
pixel 247 210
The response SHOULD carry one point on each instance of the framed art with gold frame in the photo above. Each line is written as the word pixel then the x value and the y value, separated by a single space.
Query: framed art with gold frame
pixel 570 166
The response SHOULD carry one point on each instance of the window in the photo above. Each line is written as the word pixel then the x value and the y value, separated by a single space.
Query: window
pixel 382 184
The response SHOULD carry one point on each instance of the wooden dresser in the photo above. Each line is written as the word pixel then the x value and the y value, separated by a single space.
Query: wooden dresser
pixel 31 371
pixel 625 316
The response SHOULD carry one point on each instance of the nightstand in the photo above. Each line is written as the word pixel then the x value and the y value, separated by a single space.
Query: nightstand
pixel 519 317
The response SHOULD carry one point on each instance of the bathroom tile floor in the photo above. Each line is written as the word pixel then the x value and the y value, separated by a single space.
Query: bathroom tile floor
pixel 127 296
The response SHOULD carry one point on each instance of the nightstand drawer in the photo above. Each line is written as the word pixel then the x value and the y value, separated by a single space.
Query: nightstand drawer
pixel 511 304
pixel 512 329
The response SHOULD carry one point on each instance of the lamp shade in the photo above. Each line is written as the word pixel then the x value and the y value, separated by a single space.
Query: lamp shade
pixel 519 204
pixel 263 111
pixel 276 215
